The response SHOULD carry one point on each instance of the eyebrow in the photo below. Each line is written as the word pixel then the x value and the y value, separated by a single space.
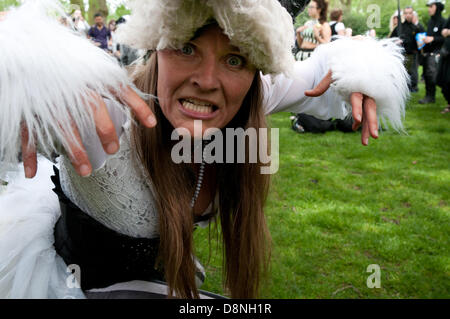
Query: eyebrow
pixel 234 49
pixel 231 48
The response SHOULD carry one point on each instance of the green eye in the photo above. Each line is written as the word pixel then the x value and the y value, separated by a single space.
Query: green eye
pixel 187 49
pixel 235 61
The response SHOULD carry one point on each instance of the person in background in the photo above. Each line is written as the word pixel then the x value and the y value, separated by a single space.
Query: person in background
pixel 409 43
pixel 416 21
pixel 336 25
pixel 80 23
pixel 393 22
pixel 433 43
pixel 124 53
pixel 112 43
pixel 315 31
pixel 419 56
pixel 99 33
pixel 443 78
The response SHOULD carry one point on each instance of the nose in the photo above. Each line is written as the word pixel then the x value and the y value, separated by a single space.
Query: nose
pixel 206 75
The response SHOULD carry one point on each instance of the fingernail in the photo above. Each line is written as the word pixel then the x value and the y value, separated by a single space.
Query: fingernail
pixel 151 121
pixel 358 118
pixel 112 148
pixel 28 172
pixel 85 171
pixel 366 141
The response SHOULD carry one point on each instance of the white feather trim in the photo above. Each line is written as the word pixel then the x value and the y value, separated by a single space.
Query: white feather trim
pixel 47 74
pixel 262 29
pixel 374 68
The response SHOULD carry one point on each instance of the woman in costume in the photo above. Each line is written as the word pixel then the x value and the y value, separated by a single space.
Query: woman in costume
pixel 315 31
pixel 129 220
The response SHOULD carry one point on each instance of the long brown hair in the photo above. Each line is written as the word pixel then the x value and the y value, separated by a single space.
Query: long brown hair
pixel 242 188
pixel 323 6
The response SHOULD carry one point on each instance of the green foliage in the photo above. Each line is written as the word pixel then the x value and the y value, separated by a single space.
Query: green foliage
pixel 356 21
pixel 5 4
pixel 121 10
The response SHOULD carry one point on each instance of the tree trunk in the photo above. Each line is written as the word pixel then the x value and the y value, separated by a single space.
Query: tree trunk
pixel 97 6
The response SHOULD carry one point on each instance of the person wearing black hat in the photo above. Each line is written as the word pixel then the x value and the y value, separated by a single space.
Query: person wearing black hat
pixel 434 42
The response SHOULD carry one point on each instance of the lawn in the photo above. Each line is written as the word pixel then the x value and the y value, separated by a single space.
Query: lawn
pixel 335 207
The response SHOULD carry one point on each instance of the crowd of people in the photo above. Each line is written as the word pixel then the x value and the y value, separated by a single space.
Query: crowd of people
pixel 432 54
pixel 427 47
pixel 103 35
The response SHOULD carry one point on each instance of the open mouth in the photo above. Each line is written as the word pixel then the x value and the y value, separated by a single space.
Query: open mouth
pixel 197 106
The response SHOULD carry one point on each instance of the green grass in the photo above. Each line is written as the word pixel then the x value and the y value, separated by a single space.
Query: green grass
pixel 336 207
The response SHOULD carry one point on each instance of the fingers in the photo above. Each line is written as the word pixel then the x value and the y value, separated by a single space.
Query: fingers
pixel 29 156
pixel 364 111
pixel 356 99
pixel 77 154
pixel 139 107
pixel 322 87
pixel 104 126
pixel 370 110
pixel 370 123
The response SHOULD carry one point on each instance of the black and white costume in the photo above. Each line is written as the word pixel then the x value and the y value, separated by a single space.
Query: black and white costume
pixel 118 195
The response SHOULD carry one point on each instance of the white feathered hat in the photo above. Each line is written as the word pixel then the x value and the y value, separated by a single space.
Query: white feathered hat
pixel 261 29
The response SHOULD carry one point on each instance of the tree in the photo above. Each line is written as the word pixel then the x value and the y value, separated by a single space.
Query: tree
pixel 5 4
pixel 97 6
pixel 120 12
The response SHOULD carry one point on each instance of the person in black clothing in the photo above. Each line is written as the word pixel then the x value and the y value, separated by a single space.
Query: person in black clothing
pixel 419 56
pixel 408 38
pixel 434 42
pixel 443 78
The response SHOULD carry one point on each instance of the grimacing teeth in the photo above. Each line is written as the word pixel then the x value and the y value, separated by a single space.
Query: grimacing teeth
pixel 206 109
pixel 197 102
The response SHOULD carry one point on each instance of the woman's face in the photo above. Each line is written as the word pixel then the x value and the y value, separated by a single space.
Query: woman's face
pixel 206 80
pixel 313 10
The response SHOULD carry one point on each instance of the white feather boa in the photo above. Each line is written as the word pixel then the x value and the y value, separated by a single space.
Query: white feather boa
pixel 372 67
pixel 47 75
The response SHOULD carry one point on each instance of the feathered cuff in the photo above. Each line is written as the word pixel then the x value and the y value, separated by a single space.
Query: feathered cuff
pixel 372 67
pixel 47 76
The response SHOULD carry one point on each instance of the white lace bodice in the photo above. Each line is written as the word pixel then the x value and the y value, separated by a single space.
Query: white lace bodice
pixel 117 194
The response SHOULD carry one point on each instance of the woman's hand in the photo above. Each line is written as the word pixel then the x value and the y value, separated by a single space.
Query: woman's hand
pixel 105 131
pixel 316 30
pixel 364 109
pixel 301 29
